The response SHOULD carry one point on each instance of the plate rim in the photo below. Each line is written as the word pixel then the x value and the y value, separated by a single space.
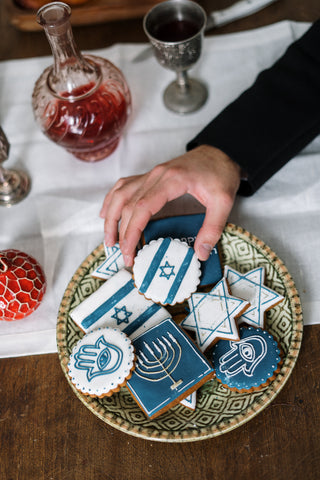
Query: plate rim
pixel 203 433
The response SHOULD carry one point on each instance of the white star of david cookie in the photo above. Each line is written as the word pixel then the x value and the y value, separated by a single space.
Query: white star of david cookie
pixel 213 315
pixel 113 263
pixel 250 286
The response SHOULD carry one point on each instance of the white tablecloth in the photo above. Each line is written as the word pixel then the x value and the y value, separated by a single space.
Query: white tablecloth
pixel 59 224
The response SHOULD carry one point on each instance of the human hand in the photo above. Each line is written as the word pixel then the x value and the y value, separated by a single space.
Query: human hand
pixel 205 172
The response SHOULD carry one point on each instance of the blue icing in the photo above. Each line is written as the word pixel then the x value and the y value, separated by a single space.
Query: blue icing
pixel 249 362
pixel 101 358
pixel 168 364
pixel 94 316
pixel 186 227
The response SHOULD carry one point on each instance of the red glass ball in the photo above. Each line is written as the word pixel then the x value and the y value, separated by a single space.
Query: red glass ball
pixel 22 284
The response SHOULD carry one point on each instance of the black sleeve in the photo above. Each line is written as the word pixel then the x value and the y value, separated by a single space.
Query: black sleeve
pixel 275 118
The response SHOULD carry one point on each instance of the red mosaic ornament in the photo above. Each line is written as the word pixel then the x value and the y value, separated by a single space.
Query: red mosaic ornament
pixel 22 284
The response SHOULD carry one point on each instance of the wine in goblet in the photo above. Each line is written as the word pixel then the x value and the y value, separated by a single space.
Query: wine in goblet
pixel 175 29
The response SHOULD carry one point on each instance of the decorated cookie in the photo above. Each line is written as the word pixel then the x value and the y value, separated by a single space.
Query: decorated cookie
pixel 250 286
pixel 169 368
pixel 101 362
pixel 190 401
pixel 248 364
pixel 186 228
pixel 113 263
pixel 118 304
pixel 166 271
pixel 213 315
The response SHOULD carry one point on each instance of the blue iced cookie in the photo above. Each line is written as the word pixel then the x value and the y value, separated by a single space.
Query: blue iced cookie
pixel 247 364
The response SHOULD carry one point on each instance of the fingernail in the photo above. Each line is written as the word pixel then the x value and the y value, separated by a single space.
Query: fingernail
pixel 107 240
pixel 205 249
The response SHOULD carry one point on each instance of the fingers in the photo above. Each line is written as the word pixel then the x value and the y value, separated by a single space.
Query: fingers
pixel 213 225
pixel 114 203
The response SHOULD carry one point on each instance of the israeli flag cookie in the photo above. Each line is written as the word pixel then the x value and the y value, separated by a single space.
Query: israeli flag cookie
pixel 250 286
pixel 169 367
pixel 166 271
pixel 248 364
pixel 186 228
pixel 113 263
pixel 118 304
pixel 101 362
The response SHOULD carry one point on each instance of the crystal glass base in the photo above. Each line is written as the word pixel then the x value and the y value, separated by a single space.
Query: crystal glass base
pixel 15 187
pixel 187 99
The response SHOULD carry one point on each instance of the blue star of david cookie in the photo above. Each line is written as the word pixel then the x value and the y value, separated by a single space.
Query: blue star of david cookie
pixel 186 228
pixel 169 367
pixel 213 315
pixel 250 286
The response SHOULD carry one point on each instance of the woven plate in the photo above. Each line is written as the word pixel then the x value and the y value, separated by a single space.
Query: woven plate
pixel 218 410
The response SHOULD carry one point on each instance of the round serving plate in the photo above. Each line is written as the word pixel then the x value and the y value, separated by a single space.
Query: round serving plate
pixel 219 410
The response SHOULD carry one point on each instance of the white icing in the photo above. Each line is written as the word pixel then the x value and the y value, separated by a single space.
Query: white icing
pixel 166 271
pixel 101 361
pixel 118 304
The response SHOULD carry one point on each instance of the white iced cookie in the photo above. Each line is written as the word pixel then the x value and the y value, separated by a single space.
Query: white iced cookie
pixel 101 362
pixel 166 271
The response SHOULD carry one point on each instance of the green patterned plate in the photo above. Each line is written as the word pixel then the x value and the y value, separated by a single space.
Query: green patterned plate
pixel 218 410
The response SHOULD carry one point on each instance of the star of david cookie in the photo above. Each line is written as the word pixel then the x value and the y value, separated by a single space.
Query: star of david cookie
pixel 118 304
pixel 213 315
pixel 166 271
pixel 113 263
pixel 248 364
pixel 250 286
pixel 101 362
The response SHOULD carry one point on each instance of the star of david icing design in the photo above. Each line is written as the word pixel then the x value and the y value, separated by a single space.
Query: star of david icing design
pixel 213 315
pixel 167 270
pixel 121 315
pixel 111 265
pixel 250 286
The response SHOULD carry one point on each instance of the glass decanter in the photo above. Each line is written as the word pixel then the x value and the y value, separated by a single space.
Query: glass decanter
pixel 81 102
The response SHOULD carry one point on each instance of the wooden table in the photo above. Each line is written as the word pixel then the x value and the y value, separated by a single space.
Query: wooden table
pixel 46 433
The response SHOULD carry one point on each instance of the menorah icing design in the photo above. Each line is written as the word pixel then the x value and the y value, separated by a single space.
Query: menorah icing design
pixel 160 359
pixel 250 286
pixel 113 263
pixel 101 362
pixel 166 271
pixel 213 315
pixel 169 368
pixel 186 228
pixel 248 363
pixel 118 304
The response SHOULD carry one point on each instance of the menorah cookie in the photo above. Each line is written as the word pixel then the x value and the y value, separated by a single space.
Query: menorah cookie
pixel 186 228
pixel 169 368
pixel 101 362
pixel 166 271
pixel 118 304
pixel 248 364
pixel 250 286
pixel 213 315
pixel 113 263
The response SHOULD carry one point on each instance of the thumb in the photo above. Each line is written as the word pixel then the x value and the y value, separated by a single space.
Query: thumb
pixel 210 232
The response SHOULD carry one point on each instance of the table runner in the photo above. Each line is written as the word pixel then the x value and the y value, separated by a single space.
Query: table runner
pixel 59 224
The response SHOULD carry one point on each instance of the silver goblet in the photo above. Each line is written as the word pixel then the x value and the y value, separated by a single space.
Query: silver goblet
pixel 175 29
pixel 14 184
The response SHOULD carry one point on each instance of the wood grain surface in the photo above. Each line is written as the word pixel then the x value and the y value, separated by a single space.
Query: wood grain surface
pixel 46 433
